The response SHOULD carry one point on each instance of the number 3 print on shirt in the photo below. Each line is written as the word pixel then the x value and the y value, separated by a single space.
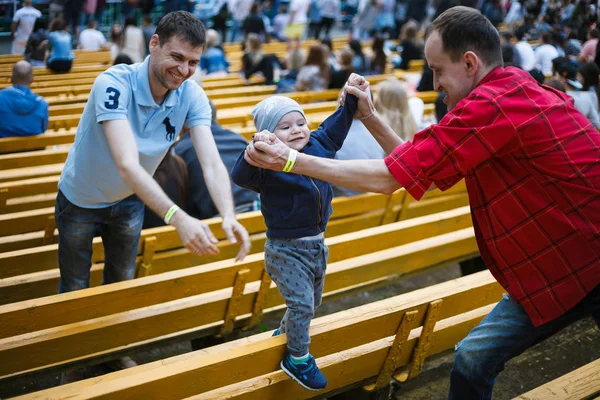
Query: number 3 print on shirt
pixel 113 98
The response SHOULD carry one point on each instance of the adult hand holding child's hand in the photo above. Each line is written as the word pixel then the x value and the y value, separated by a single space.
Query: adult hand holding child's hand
pixel 267 151
pixel 358 86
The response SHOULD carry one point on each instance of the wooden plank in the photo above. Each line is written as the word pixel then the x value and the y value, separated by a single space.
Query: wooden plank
pixel 372 325
pixel 583 383
pixel 62 344
pixel 32 158
pixel 68 308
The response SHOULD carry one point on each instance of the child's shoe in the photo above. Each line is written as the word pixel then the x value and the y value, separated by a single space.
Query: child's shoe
pixel 306 373
pixel 277 332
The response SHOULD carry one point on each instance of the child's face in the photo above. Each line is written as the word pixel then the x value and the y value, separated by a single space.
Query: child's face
pixel 293 130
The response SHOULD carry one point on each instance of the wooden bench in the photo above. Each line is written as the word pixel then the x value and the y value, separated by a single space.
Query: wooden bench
pixel 32 272
pixel 200 298
pixel 370 343
pixel 583 383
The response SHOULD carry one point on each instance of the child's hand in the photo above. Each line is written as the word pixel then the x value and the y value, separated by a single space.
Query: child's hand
pixel 264 136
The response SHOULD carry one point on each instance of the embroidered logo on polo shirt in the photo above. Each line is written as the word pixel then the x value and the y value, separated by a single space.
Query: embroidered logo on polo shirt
pixel 170 130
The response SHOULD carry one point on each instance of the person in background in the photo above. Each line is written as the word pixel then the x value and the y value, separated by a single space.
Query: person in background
pixel 360 62
pixel 172 176
pixel 411 46
pixel 254 23
pixel 385 24
pixel 116 40
pixel 365 18
pixel 588 50
pixel 395 108
pixel 91 39
pixel 148 28
pixel 255 60
pixel 340 76
pixel 585 102
pixel 133 41
pixel 573 46
pixel 589 76
pixel 22 26
pixel 122 59
pixel 213 59
pixel 298 19
pixel 239 11
pixel 525 51
pixel 545 53
pixel 221 15
pixel 330 11
pixel 280 21
pixel 35 51
pixel 314 75
pixel 22 112
pixel 333 63
pixel 378 58
pixel 198 202
pixel 314 19
pixel 60 54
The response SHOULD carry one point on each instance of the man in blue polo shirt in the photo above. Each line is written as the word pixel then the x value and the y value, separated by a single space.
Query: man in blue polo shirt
pixel 132 117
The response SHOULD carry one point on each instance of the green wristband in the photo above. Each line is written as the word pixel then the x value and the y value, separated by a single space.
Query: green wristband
pixel 170 213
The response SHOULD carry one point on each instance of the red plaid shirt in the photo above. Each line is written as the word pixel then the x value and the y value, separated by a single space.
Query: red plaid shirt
pixel 531 164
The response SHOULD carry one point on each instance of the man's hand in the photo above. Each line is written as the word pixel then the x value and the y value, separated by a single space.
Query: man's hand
pixel 270 156
pixel 236 233
pixel 195 235
pixel 359 87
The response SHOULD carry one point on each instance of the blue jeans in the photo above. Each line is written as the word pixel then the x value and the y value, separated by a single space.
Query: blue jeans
pixel 119 226
pixel 503 334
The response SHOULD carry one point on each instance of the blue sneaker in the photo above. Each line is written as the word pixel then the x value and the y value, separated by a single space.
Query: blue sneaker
pixel 277 332
pixel 307 373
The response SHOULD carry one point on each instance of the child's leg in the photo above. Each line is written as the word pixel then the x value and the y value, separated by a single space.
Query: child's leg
pixel 290 263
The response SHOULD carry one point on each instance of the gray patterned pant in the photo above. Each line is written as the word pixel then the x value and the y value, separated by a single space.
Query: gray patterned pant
pixel 298 269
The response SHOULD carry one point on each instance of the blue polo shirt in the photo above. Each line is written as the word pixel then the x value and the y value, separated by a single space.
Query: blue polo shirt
pixel 90 178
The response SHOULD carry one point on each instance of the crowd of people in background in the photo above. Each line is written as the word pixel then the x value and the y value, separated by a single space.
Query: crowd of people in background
pixel 556 41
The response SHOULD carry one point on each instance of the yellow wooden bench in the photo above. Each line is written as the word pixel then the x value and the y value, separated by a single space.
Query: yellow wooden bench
pixel 357 259
pixel 32 272
pixel 583 383
pixel 366 344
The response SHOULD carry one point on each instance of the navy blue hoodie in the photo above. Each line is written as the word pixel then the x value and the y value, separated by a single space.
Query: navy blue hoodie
pixel 22 112
pixel 296 206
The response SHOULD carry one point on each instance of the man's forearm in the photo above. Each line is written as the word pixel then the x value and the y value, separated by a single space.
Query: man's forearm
pixel 361 175
pixel 385 136
pixel 147 189
pixel 219 187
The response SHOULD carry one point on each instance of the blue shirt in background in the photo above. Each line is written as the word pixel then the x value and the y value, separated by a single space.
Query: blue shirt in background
pixel 22 112
pixel 90 178
pixel 60 45
pixel 213 60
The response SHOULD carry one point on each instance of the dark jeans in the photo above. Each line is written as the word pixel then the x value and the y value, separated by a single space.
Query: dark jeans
pixel 60 66
pixel 119 226
pixel 326 24
pixel 503 334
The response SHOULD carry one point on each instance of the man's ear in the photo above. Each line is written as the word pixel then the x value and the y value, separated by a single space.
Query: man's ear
pixel 154 42
pixel 471 63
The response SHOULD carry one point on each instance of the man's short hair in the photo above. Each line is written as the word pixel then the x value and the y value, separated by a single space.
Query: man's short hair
pixel 183 25
pixel 595 33
pixel 465 29
pixel 91 24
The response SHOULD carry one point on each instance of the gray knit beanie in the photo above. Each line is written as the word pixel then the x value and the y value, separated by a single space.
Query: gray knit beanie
pixel 269 112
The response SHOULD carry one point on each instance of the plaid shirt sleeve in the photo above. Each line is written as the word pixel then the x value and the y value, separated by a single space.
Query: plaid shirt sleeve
pixel 472 133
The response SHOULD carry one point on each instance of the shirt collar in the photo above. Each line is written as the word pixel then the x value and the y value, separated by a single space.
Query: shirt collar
pixel 144 94
pixel 491 75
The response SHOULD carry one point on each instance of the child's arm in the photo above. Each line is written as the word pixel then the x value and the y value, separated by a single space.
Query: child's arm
pixel 333 131
pixel 245 175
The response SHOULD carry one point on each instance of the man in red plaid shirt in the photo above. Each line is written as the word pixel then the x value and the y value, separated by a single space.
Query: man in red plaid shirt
pixel 531 163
